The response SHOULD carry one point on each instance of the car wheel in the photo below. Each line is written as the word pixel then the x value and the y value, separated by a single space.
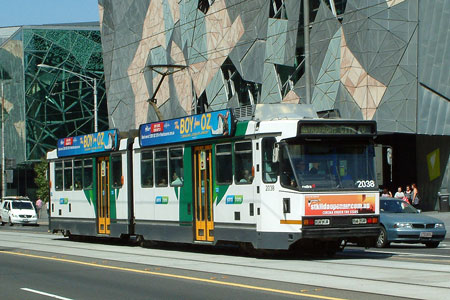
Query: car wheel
pixel 382 239
pixel 432 244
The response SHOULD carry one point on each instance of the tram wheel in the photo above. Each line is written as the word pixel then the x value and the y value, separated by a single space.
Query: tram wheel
pixel 332 247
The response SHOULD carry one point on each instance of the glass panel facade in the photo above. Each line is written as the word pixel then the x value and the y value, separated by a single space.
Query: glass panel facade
pixel 46 103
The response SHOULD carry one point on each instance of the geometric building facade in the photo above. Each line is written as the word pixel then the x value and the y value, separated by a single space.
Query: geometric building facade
pixel 383 60
pixel 45 104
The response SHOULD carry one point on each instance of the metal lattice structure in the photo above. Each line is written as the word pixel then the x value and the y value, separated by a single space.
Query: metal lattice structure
pixel 58 103
pixel 45 104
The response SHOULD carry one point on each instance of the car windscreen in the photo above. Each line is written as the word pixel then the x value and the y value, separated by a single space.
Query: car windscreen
pixel 396 206
pixel 328 165
pixel 21 205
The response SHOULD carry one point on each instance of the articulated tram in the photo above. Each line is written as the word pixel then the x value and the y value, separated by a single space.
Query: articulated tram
pixel 274 181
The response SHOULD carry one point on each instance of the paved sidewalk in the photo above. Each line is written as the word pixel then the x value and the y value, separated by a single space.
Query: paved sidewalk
pixel 43 218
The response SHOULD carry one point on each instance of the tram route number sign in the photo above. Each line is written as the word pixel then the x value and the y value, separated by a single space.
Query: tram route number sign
pixel 334 128
pixel 89 143
pixel 195 127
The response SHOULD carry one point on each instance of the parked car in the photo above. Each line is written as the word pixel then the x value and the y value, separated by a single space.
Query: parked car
pixel 17 210
pixel 402 223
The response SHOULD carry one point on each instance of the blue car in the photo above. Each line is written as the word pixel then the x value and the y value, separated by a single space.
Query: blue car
pixel 402 223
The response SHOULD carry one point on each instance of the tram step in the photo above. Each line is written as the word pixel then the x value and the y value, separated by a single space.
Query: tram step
pixel 203 243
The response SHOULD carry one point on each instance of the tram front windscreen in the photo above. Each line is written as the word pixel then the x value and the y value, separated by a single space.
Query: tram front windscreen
pixel 328 165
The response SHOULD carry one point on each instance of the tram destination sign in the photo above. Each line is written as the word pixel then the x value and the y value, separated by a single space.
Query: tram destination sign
pixel 335 128
pixel 190 128
pixel 103 141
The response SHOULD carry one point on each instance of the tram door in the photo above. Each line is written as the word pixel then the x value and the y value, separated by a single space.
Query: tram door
pixel 203 194
pixel 103 202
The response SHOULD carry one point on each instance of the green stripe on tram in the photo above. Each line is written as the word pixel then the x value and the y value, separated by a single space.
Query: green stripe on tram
pixel 241 128
pixel 186 195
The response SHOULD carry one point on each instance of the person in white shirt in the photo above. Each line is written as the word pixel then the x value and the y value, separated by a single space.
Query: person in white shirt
pixel 399 194
pixel 177 181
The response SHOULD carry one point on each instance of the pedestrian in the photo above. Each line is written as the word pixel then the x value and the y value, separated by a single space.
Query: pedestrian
pixel 39 206
pixel 399 193
pixel 415 199
pixel 409 194
pixel 386 193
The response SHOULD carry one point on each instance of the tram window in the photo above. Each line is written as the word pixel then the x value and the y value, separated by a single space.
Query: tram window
pixel 68 175
pixel 176 166
pixel 116 168
pixel 147 169
pixel 77 174
pixel 224 170
pixel 269 168
pixel 243 162
pixel 87 174
pixel 58 176
pixel 161 168
pixel 287 178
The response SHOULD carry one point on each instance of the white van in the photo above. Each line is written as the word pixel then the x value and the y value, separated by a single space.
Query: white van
pixel 18 210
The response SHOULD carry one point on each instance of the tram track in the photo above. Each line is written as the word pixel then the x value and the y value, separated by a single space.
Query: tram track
pixel 339 260
pixel 286 270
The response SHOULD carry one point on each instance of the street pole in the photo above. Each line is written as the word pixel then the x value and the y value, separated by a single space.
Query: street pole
pixel 86 79
pixel 3 148
pixel 307 54
pixel 95 106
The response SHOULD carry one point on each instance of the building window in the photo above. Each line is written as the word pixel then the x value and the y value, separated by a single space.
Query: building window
pixel 277 10
pixel 243 163
pixel 146 169
pixel 247 92
pixel 204 5
pixel 224 166
pixel 161 168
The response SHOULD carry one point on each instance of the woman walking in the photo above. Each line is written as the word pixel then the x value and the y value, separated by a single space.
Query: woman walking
pixel 415 199
pixel 409 194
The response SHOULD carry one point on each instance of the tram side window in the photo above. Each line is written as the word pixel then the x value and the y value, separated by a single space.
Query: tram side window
pixel 161 168
pixel 116 168
pixel 58 176
pixel 269 168
pixel 287 178
pixel 87 174
pixel 224 166
pixel 147 169
pixel 243 162
pixel 176 166
pixel 77 174
pixel 68 175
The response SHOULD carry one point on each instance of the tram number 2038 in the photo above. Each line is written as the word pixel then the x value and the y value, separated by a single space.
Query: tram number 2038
pixel 270 188
pixel 365 183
